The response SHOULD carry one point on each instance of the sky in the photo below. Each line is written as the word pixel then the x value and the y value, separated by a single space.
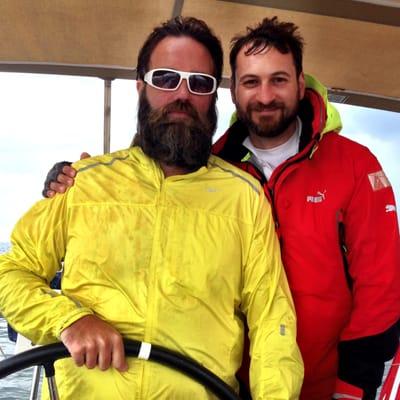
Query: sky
pixel 50 118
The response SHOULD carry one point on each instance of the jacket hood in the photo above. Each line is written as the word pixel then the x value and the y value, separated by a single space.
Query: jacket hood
pixel 333 121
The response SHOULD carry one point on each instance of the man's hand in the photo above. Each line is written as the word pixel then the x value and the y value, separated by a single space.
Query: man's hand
pixel 91 342
pixel 60 177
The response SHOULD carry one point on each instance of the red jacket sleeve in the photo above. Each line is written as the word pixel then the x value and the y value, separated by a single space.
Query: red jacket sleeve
pixel 371 237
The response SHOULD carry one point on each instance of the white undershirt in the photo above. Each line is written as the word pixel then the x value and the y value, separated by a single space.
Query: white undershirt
pixel 269 159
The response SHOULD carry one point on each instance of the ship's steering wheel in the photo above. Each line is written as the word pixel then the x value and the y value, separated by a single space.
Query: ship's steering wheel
pixel 47 355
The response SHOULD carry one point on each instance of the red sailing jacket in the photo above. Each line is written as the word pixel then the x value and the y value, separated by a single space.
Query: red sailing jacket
pixel 336 218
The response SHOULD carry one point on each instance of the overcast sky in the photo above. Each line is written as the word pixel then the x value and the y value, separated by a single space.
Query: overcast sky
pixel 47 118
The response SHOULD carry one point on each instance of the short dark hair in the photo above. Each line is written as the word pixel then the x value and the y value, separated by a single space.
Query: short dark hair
pixel 182 26
pixel 283 36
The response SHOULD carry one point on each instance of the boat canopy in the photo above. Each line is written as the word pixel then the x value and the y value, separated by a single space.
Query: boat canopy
pixel 352 46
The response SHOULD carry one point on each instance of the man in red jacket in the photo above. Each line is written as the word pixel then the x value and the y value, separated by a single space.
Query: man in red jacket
pixel 335 213
pixel 334 209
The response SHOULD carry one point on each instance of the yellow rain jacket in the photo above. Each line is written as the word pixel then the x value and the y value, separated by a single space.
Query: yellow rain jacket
pixel 177 261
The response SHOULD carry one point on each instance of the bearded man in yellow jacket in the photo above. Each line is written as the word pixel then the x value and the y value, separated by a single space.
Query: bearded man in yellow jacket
pixel 161 242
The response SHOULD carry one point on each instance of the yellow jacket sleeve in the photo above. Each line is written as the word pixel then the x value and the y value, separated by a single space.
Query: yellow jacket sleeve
pixel 38 248
pixel 276 370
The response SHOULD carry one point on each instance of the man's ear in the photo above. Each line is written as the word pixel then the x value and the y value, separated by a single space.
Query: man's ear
pixel 302 85
pixel 139 86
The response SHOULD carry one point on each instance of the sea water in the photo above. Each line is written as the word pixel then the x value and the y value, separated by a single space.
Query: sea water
pixel 16 386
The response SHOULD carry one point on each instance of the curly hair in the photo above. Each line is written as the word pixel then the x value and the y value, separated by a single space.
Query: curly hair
pixel 283 36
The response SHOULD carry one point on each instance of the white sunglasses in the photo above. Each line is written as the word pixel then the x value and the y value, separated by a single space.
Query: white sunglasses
pixel 170 79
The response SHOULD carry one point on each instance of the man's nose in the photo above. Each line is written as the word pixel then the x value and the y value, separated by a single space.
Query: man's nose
pixel 265 93
pixel 182 92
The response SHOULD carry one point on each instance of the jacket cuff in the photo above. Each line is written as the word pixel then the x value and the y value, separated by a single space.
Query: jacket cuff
pixel 346 391
pixel 71 318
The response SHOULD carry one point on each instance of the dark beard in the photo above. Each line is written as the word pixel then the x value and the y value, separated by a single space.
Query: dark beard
pixel 268 128
pixel 182 143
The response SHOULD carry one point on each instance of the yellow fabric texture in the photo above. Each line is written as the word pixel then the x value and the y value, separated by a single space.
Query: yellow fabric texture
pixel 177 262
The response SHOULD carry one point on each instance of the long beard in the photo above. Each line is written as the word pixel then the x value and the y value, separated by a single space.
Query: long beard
pixel 267 126
pixel 181 143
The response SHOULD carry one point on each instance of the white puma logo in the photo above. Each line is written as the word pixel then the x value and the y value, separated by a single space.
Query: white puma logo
pixel 390 208
pixel 317 199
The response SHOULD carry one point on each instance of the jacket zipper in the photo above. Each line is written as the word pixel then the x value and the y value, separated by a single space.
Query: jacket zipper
pixel 286 164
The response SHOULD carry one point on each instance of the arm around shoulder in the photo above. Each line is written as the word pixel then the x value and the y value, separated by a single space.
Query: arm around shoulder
pixel 60 177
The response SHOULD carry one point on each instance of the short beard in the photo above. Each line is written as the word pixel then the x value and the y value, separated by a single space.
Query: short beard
pixel 266 127
pixel 181 143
